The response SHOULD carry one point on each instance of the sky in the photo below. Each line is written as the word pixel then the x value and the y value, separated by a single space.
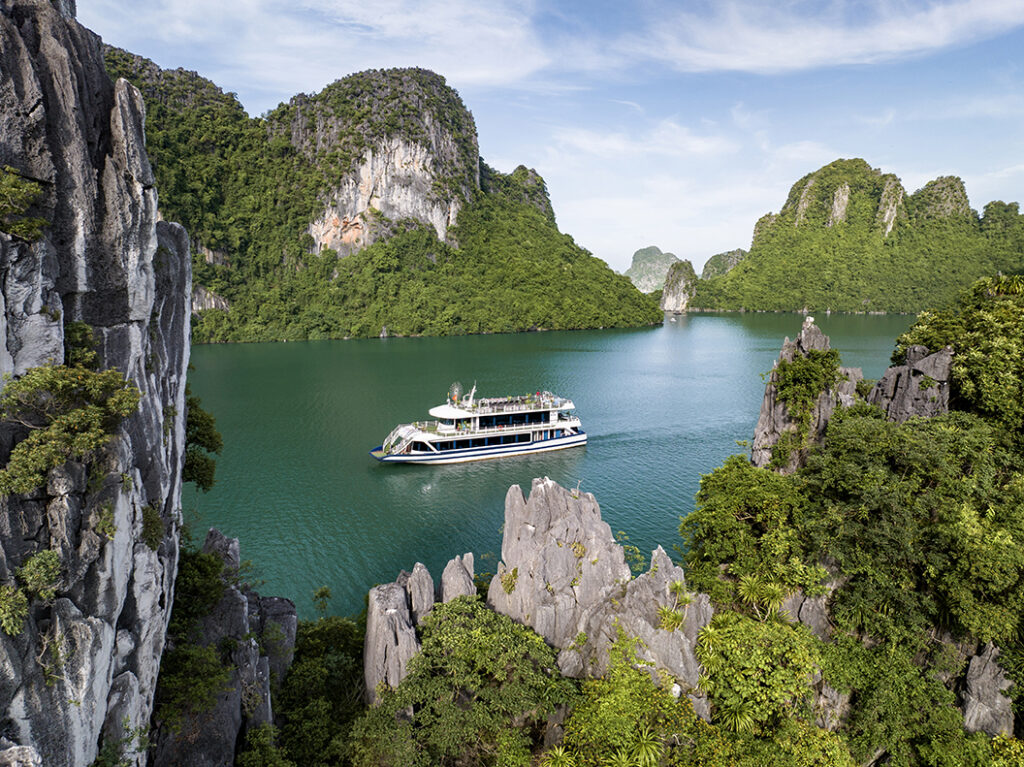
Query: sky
pixel 676 124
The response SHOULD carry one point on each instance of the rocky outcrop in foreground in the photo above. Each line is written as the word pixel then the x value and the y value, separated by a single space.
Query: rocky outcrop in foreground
pixel 260 632
pixel 919 387
pixel 395 609
pixel 776 420
pixel 563 575
pixel 84 663
pixel 986 707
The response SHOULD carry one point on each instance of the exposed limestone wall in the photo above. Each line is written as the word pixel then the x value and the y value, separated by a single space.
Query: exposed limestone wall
pixel 840 201
pixel 680 285
pixel 88 660
pixel 203 299
pixel 396 179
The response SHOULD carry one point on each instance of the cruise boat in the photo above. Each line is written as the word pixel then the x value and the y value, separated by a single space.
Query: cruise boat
pixel 470 429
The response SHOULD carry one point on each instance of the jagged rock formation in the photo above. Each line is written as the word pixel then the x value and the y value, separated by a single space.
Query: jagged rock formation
pixel 393 612
pixel 986 709
pixel 563 574
pixel 680 284
pixel 776 420
pixel 559 560
pixel 919 387
pixel 849 238
pixel 390 638
pixel 722 263
pixel 649 268
pixel 250 625
pixel 104 259
pixel 635 610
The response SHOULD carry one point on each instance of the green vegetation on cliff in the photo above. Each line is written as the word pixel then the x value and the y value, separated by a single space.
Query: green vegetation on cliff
pixel 247 190
pixel 849 239
pixel 913 529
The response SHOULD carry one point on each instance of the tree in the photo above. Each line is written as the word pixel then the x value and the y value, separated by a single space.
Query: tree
pixel 202 440
pixel 69 412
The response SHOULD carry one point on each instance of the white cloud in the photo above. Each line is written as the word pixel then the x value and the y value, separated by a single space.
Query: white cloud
pixel 744 35
pixel 267 50
pixel 665 138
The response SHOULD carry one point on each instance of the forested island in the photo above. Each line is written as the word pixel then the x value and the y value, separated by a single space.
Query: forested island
pixel 850 239
pixel 362 210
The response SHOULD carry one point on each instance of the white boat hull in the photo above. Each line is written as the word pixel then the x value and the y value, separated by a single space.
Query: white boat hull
pixel 483 453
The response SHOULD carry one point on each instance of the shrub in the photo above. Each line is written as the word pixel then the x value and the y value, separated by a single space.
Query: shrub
pixel 13 609
pixel 41 574
pixel 70 412
pixel 152 527
pixel 479 687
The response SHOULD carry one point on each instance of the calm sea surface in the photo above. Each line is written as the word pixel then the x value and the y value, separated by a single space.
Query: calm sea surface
pixel 295 483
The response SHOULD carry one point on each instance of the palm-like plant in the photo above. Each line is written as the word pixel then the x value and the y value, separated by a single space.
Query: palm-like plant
pixel 558 757
pixel 647 748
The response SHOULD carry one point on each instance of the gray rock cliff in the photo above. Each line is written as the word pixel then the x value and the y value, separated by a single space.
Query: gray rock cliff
pixel 106 260
pixel 919 387
pixel 775 419
pixel 563 574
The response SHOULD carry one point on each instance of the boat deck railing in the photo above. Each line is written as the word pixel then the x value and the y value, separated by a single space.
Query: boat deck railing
pixel 522 404
pixel 432 427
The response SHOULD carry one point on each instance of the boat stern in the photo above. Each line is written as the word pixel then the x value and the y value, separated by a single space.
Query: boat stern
pixel 378 453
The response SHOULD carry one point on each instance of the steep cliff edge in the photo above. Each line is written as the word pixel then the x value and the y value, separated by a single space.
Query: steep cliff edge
pixel 84 663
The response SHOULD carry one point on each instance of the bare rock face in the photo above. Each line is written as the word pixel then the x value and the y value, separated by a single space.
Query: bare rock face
pixel 635 610
pixel 563 574
pixel 985 707
pixel 395 180
pixel 775 419
pixel 245 622
pixel 558 561
pixel 919 387
pixel 390 638
pixel 457 578
pixel 104 259
pixel 203 299
pixel 680 284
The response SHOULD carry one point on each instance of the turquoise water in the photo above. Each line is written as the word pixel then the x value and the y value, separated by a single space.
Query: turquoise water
pixel 295 483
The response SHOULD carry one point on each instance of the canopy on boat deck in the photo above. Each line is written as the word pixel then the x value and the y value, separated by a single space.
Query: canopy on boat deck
pixel 448 411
